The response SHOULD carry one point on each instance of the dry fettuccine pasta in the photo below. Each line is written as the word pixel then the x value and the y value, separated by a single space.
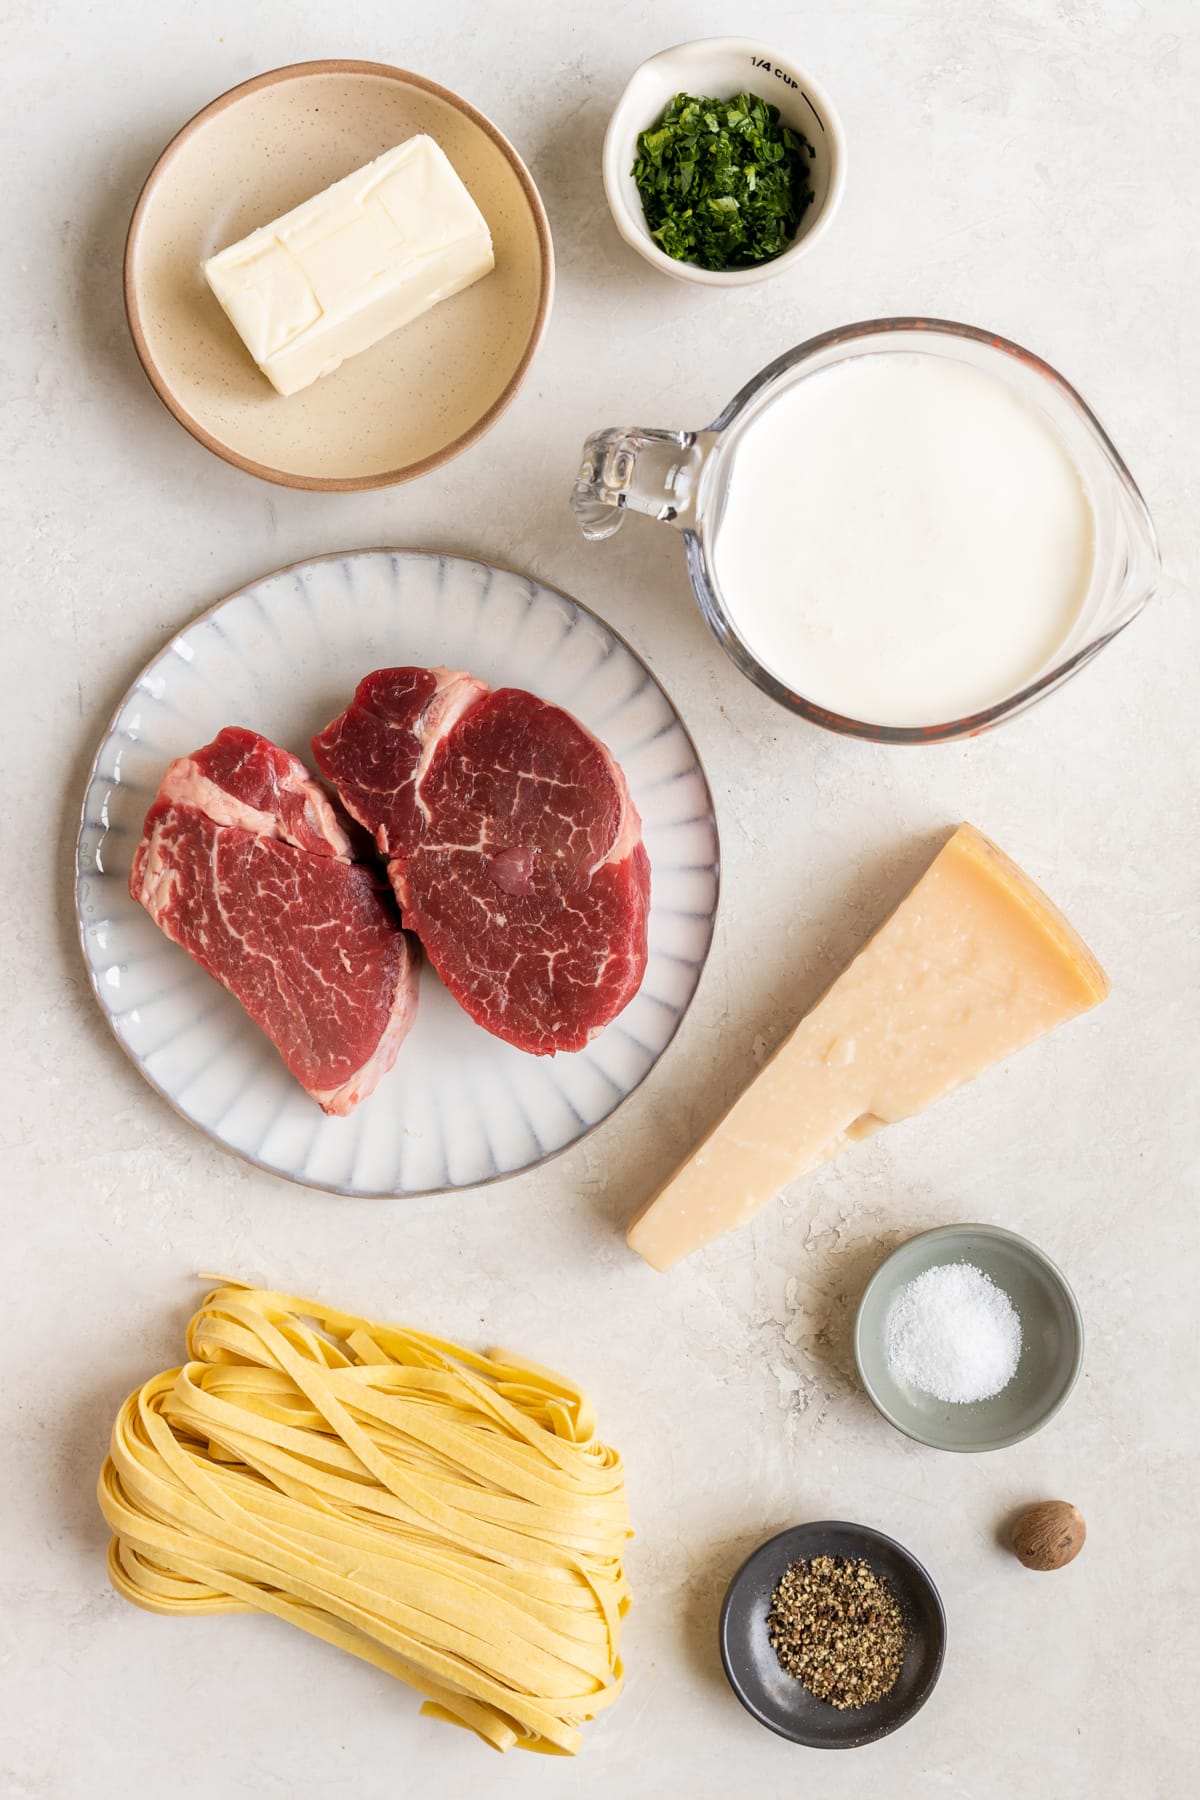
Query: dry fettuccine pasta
pixel 451 1518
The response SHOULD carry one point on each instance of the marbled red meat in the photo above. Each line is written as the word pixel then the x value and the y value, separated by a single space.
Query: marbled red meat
pixel 246 862
pixel 512 843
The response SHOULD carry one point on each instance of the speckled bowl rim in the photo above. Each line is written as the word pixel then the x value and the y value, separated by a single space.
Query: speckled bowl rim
pixel 338 484
pixel 1031 1251
pixel 921 1578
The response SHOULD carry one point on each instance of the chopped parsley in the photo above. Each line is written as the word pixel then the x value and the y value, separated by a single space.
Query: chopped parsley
pixel 723 182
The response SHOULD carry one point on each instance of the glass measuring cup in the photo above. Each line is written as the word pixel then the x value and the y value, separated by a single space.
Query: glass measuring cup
pixel 682 478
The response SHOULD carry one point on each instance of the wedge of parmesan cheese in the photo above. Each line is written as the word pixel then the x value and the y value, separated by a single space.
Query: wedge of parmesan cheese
pixel 974 963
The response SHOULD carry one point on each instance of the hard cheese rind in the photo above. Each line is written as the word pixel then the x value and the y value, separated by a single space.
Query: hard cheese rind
pixel 974 964
pixel 341 271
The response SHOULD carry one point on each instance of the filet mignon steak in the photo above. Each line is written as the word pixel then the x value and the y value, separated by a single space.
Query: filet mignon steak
pixel 246 862
pixel 512 843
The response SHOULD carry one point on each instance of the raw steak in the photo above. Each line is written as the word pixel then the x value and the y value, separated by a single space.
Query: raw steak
pixel 512 843
pixel 246 862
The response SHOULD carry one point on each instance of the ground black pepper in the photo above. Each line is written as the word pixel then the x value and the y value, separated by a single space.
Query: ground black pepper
pixel 837 1627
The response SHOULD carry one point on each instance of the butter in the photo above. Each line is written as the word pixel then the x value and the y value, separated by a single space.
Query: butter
pixel 341 271
pixel 973 965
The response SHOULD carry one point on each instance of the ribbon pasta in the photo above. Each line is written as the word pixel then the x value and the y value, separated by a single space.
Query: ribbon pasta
pixel 451 1518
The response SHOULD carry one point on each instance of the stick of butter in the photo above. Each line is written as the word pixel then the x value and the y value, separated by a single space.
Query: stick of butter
pixel 974 964
pixel 341 271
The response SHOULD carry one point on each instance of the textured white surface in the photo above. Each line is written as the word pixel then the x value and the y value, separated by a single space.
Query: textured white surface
pixel 1028 166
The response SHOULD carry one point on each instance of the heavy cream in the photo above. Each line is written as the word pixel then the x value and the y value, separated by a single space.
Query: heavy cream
pixel 903 539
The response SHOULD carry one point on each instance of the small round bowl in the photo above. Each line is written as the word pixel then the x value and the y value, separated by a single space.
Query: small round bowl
pixel 719 68
pixel 1051 1340
pixel 775 1698
pixel 410 402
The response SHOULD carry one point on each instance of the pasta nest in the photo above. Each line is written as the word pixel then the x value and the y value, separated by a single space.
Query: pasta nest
pixel 449 1517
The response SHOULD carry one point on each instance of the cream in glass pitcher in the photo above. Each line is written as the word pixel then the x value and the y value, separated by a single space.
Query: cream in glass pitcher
pixel 905 530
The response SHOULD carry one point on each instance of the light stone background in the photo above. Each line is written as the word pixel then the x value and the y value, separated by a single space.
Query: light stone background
pixel 1025 165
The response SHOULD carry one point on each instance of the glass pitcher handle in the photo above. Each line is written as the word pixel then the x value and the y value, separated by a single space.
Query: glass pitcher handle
pixel 642 470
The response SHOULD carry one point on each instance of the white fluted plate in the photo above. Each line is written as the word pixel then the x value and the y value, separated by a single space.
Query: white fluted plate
pixel 282 657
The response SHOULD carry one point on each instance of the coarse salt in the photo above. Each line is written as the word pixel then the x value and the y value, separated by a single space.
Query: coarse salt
pixel 953 1334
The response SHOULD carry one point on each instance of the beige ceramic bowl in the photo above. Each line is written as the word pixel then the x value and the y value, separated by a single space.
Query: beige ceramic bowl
pixel 412 401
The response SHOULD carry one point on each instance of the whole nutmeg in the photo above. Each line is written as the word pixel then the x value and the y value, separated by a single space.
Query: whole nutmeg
pixel 1049 1535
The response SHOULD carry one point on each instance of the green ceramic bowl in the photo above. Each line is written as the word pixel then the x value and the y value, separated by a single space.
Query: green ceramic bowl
pixel 1051 1346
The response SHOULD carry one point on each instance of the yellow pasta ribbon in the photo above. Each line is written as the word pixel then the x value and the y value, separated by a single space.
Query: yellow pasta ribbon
pixel 451 1518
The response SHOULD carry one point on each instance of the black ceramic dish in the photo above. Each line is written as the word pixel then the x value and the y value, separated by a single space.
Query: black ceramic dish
pixel 776 1699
